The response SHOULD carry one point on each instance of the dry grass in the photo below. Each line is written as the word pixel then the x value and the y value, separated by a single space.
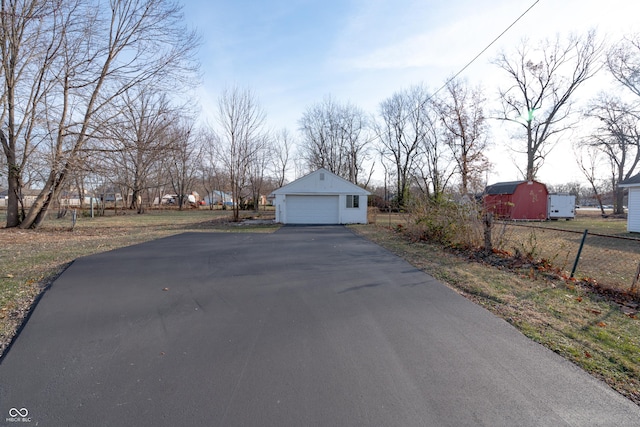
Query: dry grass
pixel 596 334
pixel 611 261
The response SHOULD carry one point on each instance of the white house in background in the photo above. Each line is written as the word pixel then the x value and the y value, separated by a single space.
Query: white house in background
pixel 320 197
pixel 633 217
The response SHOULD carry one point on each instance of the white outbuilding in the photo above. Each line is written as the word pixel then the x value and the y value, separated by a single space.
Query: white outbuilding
pixel 321 197
pixel 633 217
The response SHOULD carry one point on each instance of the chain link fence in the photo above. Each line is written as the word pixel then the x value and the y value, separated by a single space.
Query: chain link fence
pixel 612 261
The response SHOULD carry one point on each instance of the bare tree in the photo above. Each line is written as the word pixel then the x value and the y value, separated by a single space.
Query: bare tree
pixel 335 137
pixel 103 52
pixel 355 127
pixel 617 136
pixel 184 164
pixel 574 188
pixel 544 80
pixel 29 42
pixel 212 179
pixel 241 139
pixel 282 146
pixel 623 61
pixel 137 139
pixel 320 145
pixel 258 169
pixel 462 114
pixel 589 162
pixel 401 134
pixel 434 168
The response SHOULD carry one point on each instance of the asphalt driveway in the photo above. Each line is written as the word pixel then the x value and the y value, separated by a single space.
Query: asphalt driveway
pixel 309 326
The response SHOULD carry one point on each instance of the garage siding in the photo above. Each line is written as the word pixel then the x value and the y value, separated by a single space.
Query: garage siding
pixel 312 209
pixel 633 218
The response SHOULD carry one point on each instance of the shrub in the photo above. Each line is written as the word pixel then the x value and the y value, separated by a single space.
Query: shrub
pixel 452 223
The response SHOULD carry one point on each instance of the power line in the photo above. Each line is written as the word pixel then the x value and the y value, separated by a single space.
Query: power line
pixel 470 62
pixel 485 49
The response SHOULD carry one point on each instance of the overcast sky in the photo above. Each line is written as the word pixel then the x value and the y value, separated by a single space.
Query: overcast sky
pixel 292 53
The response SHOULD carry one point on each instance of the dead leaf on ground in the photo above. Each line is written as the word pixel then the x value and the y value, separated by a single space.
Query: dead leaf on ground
pixel 165 289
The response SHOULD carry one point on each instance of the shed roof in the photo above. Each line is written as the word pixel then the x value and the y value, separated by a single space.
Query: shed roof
pixel 503 187
pixel 633 181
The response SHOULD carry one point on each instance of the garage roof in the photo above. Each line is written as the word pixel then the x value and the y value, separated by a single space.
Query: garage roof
pixel 319 182
pixel 633 181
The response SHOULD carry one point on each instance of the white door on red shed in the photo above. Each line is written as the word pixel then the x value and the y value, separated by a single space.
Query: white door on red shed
pixel 312 209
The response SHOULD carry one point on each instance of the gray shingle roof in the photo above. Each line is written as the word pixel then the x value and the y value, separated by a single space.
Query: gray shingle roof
pixel 631 180
pixel 503 187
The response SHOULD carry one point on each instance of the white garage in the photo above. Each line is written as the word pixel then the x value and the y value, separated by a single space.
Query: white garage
pixel 321 197
pixel 633 206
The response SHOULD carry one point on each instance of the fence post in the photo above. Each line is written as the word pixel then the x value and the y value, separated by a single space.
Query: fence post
pixel 488 224
pixel 575 264
pixel 636 278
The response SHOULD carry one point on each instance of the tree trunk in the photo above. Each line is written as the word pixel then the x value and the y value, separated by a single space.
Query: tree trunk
pixel 531 153
pixel 38 211
pixel 619 202
pixel 13 199
pixel 13 182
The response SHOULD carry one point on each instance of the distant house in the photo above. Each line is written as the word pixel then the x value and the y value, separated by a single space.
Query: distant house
pixel 633 205
pixel 517 200
pixel 321 197
pixel 28 197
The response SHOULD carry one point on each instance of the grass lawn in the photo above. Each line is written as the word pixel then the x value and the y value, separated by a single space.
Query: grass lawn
pixel 592 220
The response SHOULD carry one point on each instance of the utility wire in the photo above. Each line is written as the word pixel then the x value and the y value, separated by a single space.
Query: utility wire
pixel 470 62
pixel 484 50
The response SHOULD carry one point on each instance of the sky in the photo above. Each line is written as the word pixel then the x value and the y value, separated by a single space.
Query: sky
pixel 294 53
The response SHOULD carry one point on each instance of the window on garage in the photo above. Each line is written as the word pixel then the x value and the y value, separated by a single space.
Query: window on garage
pixel 353 201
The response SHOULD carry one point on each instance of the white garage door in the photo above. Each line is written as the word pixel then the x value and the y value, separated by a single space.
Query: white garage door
pixel 312 209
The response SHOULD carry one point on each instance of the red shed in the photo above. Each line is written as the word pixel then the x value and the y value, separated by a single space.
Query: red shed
pixel 517 200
